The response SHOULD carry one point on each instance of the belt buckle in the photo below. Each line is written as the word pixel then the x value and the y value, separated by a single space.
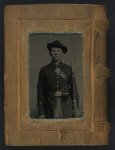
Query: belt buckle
pixel 58 93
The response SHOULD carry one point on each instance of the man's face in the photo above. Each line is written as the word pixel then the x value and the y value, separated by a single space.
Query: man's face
pixel 56 54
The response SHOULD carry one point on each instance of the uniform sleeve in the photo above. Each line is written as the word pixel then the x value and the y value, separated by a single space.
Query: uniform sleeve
pixel 40 94
pixel 71 85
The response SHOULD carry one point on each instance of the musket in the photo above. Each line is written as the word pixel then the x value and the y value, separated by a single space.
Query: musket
pixel 75 93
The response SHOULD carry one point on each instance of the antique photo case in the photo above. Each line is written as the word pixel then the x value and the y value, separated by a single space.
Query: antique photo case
pixel 50 54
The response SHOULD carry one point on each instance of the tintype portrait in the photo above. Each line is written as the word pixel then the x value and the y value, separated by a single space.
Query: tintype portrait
pixel 56 72
pixel 55 75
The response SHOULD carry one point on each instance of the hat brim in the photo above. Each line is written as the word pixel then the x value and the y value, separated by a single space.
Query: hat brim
pixel 50 46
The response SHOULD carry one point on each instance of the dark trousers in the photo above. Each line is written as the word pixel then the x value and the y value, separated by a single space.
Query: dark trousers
pixel 59 108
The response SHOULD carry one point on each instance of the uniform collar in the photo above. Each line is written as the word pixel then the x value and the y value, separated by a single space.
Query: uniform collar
pixel 54 65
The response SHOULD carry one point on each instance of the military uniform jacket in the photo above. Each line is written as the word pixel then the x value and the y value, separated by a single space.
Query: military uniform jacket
pixel 54 78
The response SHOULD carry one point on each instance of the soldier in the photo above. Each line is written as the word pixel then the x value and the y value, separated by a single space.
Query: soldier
pixel 55 86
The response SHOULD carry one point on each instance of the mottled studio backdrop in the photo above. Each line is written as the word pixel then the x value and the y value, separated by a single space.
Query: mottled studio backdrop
pixel 39 56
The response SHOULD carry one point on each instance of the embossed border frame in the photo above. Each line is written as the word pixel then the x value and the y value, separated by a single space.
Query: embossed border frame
pixel 91 21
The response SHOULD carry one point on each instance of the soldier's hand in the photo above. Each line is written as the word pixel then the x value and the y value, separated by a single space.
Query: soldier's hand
pixel 77 102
